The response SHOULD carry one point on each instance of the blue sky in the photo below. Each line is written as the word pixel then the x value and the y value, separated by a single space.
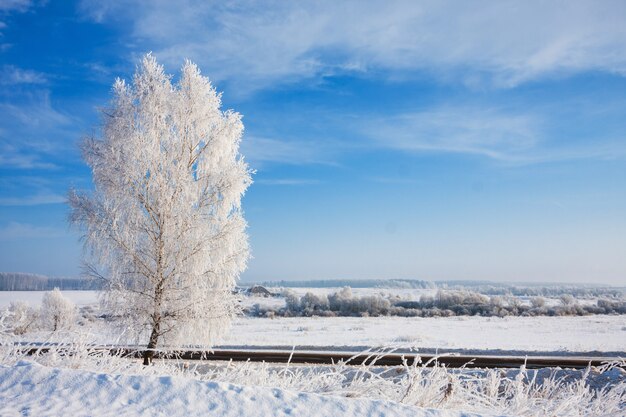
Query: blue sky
pixel 396 139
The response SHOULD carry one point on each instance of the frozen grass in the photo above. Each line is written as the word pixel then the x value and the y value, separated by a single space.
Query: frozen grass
pixel 594 392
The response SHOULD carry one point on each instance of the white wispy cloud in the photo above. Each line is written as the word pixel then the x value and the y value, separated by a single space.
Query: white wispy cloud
pixel 11 75
pixel 286 181
pixel 392 180
pixel 16 230
pixel 460 130
pixel 34 132
pixel 261 150
pixel 507 134
pixel 504 135
pixel 35 110
pixel 33 200
pixel 8 7
pixel 21 159
pixel 501 43
pixel 15 5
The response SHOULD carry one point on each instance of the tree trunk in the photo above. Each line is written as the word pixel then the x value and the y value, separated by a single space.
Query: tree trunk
pixel 148 354
pixel 158 298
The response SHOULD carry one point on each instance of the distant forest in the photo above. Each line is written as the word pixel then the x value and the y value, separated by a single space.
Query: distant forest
pixel 482 287
pixel 353 283
pixel 20 281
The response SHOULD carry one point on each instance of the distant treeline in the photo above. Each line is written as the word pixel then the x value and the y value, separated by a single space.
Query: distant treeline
pixel 539 290
pixel 482 287
pixel 19 281
pixel 445 303
pixel 353 283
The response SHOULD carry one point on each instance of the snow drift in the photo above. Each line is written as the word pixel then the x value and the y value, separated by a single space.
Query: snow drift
pixel 32 389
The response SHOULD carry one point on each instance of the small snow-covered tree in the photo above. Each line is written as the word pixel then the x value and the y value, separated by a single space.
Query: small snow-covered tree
pixel 20 317
pixel 537 302
pixel 165 218
pixel 57 312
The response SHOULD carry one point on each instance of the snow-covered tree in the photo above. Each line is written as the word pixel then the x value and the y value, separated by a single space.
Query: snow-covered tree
pixel 57 312
pixel 164 222
pixel 19 317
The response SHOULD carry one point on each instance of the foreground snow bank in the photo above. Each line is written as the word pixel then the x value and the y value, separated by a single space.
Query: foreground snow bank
pixel 31 389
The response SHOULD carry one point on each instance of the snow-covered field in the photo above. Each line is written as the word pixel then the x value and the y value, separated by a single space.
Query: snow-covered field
pixel 71 380
pixel 33 298
pixel 602 333
pixel 544 334
pixel 34 390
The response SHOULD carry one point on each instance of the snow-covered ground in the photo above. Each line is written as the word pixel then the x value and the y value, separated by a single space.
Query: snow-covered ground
pixel 33 298
pixel 31 389
pixel 546 334
pixel 70 380
pixel 602 333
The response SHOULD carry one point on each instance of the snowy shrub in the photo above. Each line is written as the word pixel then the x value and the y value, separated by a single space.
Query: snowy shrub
pixel 537 302
pixel 312 303
pixel 87 314
pixel 496 301
pixel 57 312
pixel 292 300
pixel 445 303
pixel 339 301
pixel 20 317
pixel 612 306
pixel 567 299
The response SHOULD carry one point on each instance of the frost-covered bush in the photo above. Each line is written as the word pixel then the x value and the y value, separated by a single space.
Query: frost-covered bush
pixel 537 302
pixel 611 306
pixel 312 303
pixel 87 314
pixel 445 303
pixel 339 301
pixel 567 299
pixel 20 318
pixel 292 301
pixel 57 312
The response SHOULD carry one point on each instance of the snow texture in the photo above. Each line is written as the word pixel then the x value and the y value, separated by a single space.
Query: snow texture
pixel 546 334
pixel 31 389
pixel 34 298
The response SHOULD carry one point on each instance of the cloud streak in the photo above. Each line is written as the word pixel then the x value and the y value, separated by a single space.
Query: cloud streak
pixel 34 133
pixel 15 5
pixel 33 200
pixel 12 75
pixel 501 43
pixel 287 181
pixel 489 133
pixel 502 135
pixel 263 150
pixel 16 230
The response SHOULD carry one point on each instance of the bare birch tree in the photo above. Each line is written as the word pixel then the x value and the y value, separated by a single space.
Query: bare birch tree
pixel 164 221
